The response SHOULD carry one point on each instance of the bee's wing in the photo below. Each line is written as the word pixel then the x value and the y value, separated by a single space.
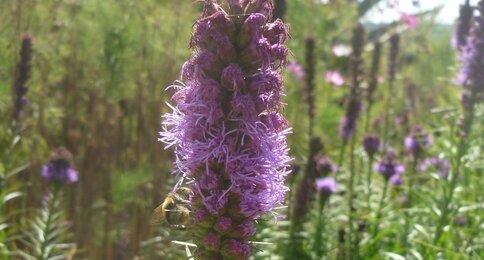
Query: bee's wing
pixel 158 216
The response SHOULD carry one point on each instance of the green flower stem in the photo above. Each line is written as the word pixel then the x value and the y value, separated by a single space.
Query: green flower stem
pixel 368 181
pixel 408 205
pixel 319 247
pixel 380 206
pixel 43 255
pixel 445 208
pixel 350 199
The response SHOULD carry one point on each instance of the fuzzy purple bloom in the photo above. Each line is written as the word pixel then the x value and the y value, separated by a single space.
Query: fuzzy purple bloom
pixel 389 166
pixel 417 141
pixel 472 60
pixel 372 144
pixel 226 126
pixel 326 186
pixel 59 168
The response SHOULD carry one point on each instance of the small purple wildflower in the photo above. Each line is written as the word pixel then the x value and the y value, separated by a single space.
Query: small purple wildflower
pixel 417 141
pixel 389 166
pixel 372 144
pixel 59 168
pixel 226 126
pixel 326 186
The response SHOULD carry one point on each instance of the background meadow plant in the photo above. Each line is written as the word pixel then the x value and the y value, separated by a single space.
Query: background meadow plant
pixel 97 73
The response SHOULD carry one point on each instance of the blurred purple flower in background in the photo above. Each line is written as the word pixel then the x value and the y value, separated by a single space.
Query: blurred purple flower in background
pixel 463 26
pixel 349 121
pixel 396 180
pixel 324 166
pixel 441 165
pixel 326 186
pixel 410 20
pixel 60 167
pixel 417 141
pixel 22 75
pixel 296 70
pixel 389 166
pixel 334 78
pixel 472 61
pixel 372 144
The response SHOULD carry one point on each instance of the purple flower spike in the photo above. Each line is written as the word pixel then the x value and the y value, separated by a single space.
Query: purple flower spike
pixel 463 26
pixel 22 72
pixel 226 125
pixel 349 121
pixel 389 166
pixel 59 168
pixel 472 60
pixel 417 141
pixel 326 186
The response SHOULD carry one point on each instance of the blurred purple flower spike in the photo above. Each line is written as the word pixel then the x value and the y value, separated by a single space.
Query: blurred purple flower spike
pixel 59 168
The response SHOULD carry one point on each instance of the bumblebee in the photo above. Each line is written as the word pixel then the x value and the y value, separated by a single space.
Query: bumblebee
pixel 175 209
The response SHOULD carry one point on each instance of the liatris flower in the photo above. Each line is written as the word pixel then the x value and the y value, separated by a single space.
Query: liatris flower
pixel 324 166
pixel 441 165
pixel 227 129
pixel 459 40
pixel 22 76
pixel 353 106
pixel 392 58
pixel 310 74
pixel 296 70
pixel 280 8
pixel 389 166
pixel 372 144
pixel 334 78
pixel 60 167
pixel 375 68
pixel 417 141
pixel 326 186
pixel 472 61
